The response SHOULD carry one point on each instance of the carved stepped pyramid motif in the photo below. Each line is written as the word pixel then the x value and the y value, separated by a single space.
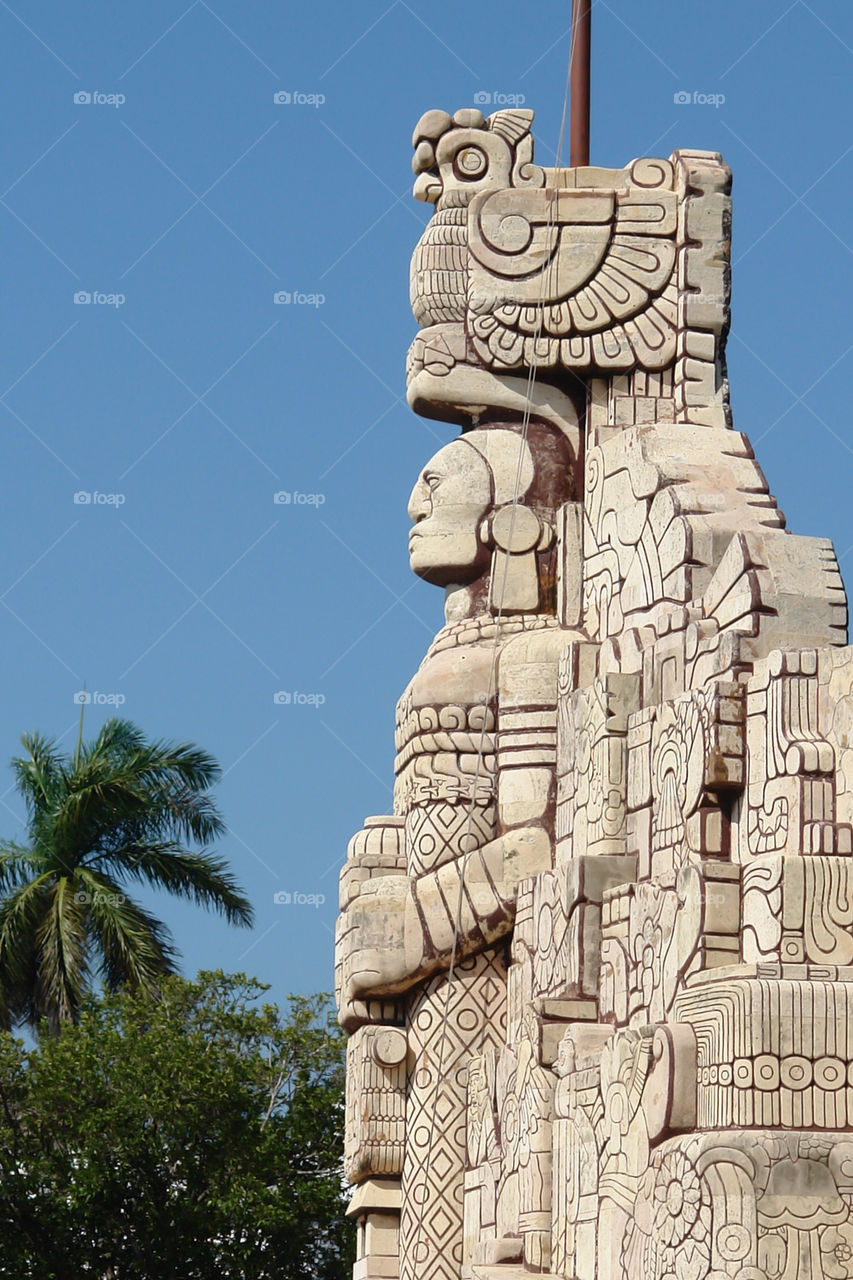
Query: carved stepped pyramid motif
pixel 624 770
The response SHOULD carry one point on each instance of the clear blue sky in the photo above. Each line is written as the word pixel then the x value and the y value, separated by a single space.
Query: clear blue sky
pixel 199 197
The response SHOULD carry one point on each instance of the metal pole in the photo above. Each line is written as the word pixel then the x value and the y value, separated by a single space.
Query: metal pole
pixel 580 73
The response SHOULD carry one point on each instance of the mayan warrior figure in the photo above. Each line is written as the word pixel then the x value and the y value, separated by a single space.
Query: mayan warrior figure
pixel 478 680
pixel 624 773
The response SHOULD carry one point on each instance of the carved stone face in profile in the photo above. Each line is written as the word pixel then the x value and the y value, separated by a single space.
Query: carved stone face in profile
pixel 447 505
pixel 464 499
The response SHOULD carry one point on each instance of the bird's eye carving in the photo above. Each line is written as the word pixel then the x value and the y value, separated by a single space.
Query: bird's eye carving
pixel 470 163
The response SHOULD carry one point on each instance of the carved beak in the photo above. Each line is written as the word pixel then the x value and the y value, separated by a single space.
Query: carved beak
pixel 428 187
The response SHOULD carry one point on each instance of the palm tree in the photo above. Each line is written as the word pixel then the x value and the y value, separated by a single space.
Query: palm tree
pixel 121 809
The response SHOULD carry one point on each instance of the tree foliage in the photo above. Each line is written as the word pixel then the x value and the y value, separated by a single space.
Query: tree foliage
pixel 195 1133
pixel 120 810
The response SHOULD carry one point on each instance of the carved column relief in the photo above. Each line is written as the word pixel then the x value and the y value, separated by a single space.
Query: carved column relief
pixel 448 1024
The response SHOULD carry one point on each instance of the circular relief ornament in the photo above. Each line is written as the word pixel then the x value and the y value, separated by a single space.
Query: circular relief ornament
pixel 423 1078
pixel 544 930
pixel 468 1019
pixel 389 1047
pixel 792 950
pixel 829 1073
pixel 766 1072
pixel 509 1121
pixel 795 1072
pixel 742 1069
pixel 470 163
pixel 733 1242
pixel 678 1195
pixel 618 1111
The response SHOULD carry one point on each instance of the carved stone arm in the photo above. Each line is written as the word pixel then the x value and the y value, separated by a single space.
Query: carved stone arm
pixel 489 881
pixel 388 946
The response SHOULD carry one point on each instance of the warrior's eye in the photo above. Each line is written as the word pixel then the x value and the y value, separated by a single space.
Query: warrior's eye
pixel 470 163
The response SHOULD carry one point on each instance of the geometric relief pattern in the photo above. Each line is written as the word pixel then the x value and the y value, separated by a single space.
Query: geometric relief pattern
pixel 439 832
pixel 441 1047
pixel 772 1052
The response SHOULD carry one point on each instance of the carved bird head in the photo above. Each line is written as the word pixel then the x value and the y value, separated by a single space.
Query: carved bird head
pixel 456 157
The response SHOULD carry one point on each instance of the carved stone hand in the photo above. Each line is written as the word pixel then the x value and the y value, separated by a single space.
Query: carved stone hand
pixel 373 947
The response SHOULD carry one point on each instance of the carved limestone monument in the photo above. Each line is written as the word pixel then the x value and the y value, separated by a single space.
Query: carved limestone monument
pixel 597 967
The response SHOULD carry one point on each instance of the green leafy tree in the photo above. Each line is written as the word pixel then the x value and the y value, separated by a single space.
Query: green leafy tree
pixel 121 809
pixel 197 1133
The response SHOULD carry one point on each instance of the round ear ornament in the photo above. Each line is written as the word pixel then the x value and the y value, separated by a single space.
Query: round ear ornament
pixel 516 533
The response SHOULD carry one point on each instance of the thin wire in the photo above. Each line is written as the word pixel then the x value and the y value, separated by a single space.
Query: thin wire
pixel 531 382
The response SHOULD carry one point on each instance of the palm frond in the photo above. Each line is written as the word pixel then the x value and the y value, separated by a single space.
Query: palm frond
pixel 18 864
pixel 144 790
pixel 22 913
pixel 62 959
pixel 135 947
pixel 39 773
pixel 201 877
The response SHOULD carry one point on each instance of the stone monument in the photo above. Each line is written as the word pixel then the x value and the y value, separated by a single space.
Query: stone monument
pixel 597 967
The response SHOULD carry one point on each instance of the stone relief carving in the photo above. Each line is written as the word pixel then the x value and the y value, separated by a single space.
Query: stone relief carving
pixel 597 967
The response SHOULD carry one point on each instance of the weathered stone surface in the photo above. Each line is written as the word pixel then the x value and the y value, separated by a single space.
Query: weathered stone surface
pixel 597 967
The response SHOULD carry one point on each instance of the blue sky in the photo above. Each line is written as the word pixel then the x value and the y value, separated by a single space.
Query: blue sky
pixel 185 196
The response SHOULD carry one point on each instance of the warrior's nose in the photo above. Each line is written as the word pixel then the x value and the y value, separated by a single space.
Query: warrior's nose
pixel 419 504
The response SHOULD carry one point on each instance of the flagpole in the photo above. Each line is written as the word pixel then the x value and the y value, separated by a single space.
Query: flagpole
pixel 580 74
